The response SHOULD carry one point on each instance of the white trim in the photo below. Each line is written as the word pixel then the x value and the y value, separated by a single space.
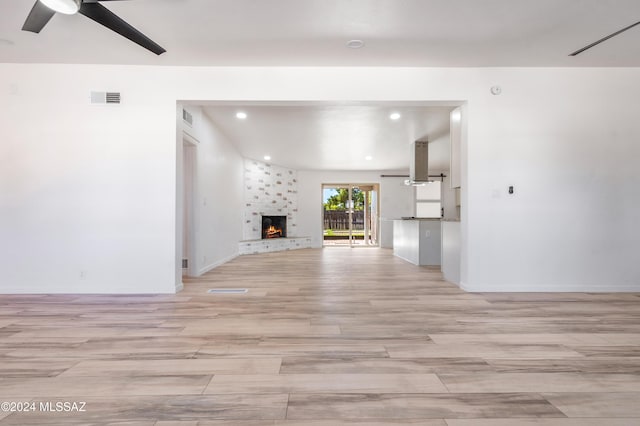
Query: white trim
pixel 218 263
pixel 550 288
pixel 106 289
pixel 186 136
pixel 179 287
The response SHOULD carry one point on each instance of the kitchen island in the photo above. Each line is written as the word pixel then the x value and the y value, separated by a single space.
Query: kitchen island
pixel 418 240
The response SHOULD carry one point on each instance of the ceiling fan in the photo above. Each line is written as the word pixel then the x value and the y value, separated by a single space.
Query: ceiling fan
pixel 595 43
pixel 43 11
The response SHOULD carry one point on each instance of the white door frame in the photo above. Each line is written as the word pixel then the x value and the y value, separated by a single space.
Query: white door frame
pixel 350 186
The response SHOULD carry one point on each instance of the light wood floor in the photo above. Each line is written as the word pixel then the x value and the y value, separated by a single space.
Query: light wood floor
pixel 324 337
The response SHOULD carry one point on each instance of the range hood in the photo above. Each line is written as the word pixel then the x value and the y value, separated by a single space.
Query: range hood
pixel 419 165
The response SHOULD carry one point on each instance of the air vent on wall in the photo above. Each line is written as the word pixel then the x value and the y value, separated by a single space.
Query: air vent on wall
pixel 187 117
pixel 102 98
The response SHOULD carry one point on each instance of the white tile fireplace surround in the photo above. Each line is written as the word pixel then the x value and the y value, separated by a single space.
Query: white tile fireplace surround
pixel 269 190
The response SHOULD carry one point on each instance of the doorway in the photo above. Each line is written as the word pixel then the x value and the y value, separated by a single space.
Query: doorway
pixel 189 152
pixel 350 215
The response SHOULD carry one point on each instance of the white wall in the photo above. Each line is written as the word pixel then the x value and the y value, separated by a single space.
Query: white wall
pixel 451 251
pixel 93 189
pixel 87 193
pixel 567 140
pixel 396 200
pixel 455 148
pixel 219 198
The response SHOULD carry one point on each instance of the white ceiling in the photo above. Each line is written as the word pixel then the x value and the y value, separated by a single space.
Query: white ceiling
pixel 335 137
pixel 437 33
pixel 314 32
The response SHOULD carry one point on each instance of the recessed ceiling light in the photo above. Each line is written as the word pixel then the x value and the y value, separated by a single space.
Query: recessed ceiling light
pixel 241 115
pixel 355 44
pixel 267 157
pixel 395 116
pixel 68 7
pixel 368 158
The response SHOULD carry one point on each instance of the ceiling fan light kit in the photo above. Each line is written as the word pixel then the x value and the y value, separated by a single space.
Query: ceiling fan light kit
pixel 44 10
pixel 68 7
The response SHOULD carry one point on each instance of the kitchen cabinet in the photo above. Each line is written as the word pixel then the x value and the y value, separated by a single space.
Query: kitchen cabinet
pixel 418 241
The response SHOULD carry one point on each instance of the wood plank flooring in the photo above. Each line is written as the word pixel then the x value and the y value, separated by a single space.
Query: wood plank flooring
pixel 327 337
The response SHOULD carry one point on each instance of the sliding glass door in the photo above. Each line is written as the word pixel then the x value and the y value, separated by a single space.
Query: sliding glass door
pixel 350 215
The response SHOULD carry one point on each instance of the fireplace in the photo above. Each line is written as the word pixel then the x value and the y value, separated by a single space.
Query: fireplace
pixel 274 227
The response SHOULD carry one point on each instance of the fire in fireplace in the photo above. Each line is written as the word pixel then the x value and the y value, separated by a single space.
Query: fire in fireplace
pixel 274 227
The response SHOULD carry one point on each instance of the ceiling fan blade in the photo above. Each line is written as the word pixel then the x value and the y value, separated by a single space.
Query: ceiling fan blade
pixel 105 17
pixel 595 43
pixel 38 18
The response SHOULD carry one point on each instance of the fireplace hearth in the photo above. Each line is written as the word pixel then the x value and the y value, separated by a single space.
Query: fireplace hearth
pixel 274 227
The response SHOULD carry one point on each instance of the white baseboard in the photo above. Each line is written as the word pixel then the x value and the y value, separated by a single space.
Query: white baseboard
pixel 217 263
pixel 87 289
pixel 179 287
pixel 550 288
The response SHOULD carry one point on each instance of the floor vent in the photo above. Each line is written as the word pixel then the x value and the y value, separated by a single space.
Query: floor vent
pixel 227 290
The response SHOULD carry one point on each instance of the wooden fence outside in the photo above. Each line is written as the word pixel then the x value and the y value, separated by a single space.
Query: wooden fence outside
pixel 338 220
